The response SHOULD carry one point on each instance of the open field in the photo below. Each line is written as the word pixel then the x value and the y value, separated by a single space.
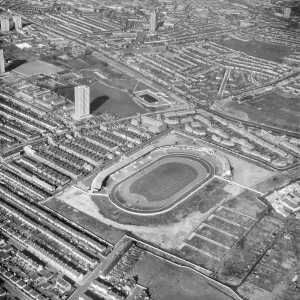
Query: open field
pixel 37 66
pixel 246 203
pixel 212 191
pixel 270 109
pixel 258 49
pixel 277 180
pixel 107 98
pixel 92 62
pixel 167 281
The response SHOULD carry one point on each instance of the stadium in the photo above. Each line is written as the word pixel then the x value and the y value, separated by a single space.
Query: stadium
pixel 163 178
pixel 150 99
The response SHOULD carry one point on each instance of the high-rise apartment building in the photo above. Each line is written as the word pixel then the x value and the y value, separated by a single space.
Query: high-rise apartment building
pixel 2 62
pixel 287 12
pixel 153 21
pixel 18 22
pixel 82 100
pixel 4 24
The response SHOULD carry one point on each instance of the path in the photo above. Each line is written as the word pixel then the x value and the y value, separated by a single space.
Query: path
pixel 245 187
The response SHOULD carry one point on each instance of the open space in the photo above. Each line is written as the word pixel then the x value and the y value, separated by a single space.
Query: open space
pixel 258 49
pixel 270 109
pixel 36 67
pixel 167 281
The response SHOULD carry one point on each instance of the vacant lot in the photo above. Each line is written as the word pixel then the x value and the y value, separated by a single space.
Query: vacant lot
pixel 258 49
pixel 277 180
pixel 214 195
pixel 167 281
pixel 246 203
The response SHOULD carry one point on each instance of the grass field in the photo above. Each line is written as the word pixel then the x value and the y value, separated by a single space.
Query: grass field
pixel 36 67
pixel 258 49
pixel 167 281
pixel 275 110
pixel 107 98
pixel 92 62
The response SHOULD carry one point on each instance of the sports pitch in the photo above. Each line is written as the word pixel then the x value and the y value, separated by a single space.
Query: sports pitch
pixel 161 183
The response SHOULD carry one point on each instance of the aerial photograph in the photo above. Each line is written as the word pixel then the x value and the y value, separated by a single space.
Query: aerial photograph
pixel 150 149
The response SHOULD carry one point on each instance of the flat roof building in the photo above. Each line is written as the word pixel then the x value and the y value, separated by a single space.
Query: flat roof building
pixel 153 21
pixel 18 22
pixel 4 24
pixel 287 12
pixel 82 101
pixel 2 62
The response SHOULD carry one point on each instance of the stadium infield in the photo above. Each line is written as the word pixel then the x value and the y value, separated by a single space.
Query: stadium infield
pixel 161 184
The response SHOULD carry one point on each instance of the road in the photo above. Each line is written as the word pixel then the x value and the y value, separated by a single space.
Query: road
pixel 224 82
